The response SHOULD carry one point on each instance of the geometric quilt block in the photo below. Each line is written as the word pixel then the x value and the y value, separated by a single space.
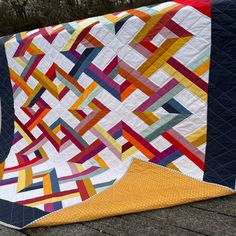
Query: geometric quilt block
pixel 90 96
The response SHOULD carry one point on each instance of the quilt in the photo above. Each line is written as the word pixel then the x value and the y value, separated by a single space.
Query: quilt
pixel 121 113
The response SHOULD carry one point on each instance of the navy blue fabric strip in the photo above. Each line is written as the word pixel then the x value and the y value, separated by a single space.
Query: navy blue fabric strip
pixel 7 107
pixel 220 164
pixel 18 215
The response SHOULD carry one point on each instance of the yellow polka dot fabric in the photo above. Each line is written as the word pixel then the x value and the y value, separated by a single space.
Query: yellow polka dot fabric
pixel 144 187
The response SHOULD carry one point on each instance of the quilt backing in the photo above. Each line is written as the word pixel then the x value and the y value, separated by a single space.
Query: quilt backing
pixel 81 100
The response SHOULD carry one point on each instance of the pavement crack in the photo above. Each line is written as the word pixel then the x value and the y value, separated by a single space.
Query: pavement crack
pixel 190 230
pixel 23 232
pixel 100 231
pixel 177 226
pixel 213 211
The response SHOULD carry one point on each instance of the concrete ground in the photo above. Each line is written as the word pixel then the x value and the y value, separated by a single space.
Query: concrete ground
pixel 212 217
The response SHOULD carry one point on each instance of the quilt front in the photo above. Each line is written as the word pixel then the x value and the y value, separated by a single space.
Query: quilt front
pixel 134 106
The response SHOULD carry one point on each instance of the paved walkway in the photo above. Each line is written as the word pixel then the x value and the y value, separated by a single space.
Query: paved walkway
pixel 212 217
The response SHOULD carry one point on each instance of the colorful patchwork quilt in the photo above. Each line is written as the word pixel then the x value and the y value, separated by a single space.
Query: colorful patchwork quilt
pixel 120 113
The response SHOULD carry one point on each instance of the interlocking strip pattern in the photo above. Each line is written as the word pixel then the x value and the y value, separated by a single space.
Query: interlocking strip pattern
pixel 91 95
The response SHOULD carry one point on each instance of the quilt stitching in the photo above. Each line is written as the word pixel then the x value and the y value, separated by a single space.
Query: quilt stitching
pixel 57 133
pixel 91 95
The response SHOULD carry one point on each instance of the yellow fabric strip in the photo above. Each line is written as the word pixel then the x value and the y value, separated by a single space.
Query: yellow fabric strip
pixel 108 137
pixel 203 68
pixel 2 165
pixel 22 132
pixel 100 161
pixel 84 96
pixel 75 35
pixel 198 137
pixel 151 22
pixel 89 187
pixel 32 95
pixel 185 82
pixel 47 186
pixel 172 166
pixel 128 153
pixel 159 61
pixel 54 199
pixel 25 179
pixel 20 82
pixel 39 76
pixel 148 117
